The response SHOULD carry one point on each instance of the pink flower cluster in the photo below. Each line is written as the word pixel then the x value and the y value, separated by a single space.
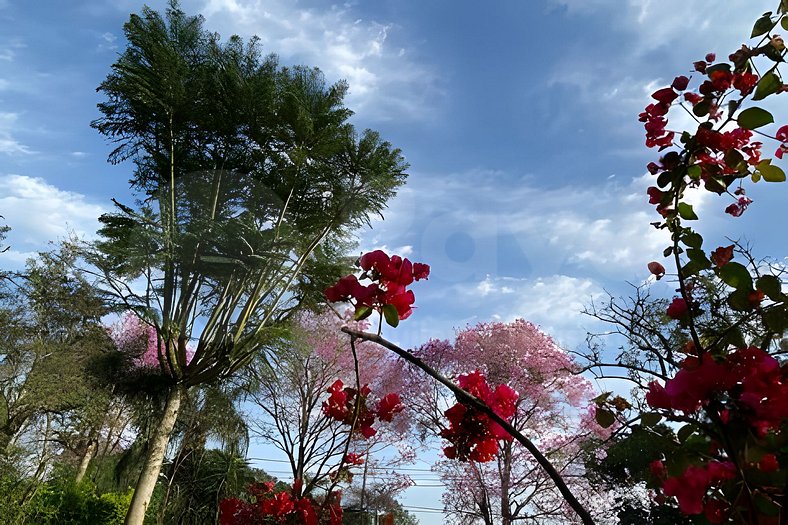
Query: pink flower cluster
pixel 280 508
pixel 390 277
pixel 748 379
pixel 472 434
pixel 341 405
pixel 691 486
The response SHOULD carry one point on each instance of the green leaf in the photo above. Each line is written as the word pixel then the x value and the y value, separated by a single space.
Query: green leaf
pixel 752 118
pixel 391 315
pixel 685 432
pixel 762 26
pixel 649 419
pixel 776 319
pixel 362 312
pixel 767 85
pixel 699 256
pixel 736 276
pixel 771 286
pixel 605 418
pixel 694 172
pixel 734 337
pixel 771 173
pixel 734 159
pixel 664 178
pixel 686 212
pixel 693 268
pixel 601 398
pixel 784 23
pixel 765 505
pixel 692 239
pixel 722 66
pixel 701 109
pixel 218 259
pixel 739 300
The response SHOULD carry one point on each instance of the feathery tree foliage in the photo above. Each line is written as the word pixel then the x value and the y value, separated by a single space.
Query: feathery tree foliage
pixel 250 179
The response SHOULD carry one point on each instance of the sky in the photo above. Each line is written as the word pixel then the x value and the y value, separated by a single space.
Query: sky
pixel 527 180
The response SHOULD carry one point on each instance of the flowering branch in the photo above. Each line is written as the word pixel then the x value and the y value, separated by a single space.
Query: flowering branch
pixel 468 399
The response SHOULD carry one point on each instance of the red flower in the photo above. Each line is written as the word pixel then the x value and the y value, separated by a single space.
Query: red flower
pixel 745 82
pixel 768 463
pixel 656 396
pixel 716 511
pixel 677 309
pixel 691 486
pixel 420 271
pixel 711 57
pixel 374 260
pixel 664 95
pixel 389 405
pixel 656 269
pixel 722 256
pixel 654 195
pixel 680 83
pixel 692 98
pixel 472 434
pixel 658 469
pixel 737 208
pixel 351 458
pixel 345 288
pixel 700 66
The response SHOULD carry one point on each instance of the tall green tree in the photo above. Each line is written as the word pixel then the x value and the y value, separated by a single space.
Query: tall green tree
pixel 250 179
pixel 50 338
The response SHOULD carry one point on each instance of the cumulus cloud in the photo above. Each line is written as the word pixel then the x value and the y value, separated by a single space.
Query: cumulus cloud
pixel 600 231
pixel 384 81
pixel 39 212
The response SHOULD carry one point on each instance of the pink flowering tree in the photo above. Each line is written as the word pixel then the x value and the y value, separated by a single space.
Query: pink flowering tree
pixel 483 418
pixel 552 405
pixel 304 395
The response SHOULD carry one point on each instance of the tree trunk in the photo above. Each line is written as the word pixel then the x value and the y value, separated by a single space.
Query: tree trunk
pixel 150 470
pixel 84 463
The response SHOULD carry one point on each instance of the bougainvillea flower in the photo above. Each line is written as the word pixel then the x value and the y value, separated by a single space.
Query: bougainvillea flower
pixel 664 95
pixel 656 396
pixel 374 260
pixel 656 269
pixel 680 83
pixel 654 195
pixel 677 309
pixel 390 277
pixel 420 271
pixel 722 256
pixel 691 486
pixel 745 82
pixel 739 207
pixel 351 458
pixel 692 98
pixel 716 511
pixel 389 405
pixel 472 434
pixel 768 463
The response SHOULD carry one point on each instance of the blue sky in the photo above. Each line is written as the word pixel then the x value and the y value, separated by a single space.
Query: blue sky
pixel 519 120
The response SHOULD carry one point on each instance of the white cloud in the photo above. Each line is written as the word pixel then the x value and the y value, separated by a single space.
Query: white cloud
pixel 8 144
pixel 38 213
pixel 108 42
pixel 384 82
pixel 601 231
pixel 555 302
